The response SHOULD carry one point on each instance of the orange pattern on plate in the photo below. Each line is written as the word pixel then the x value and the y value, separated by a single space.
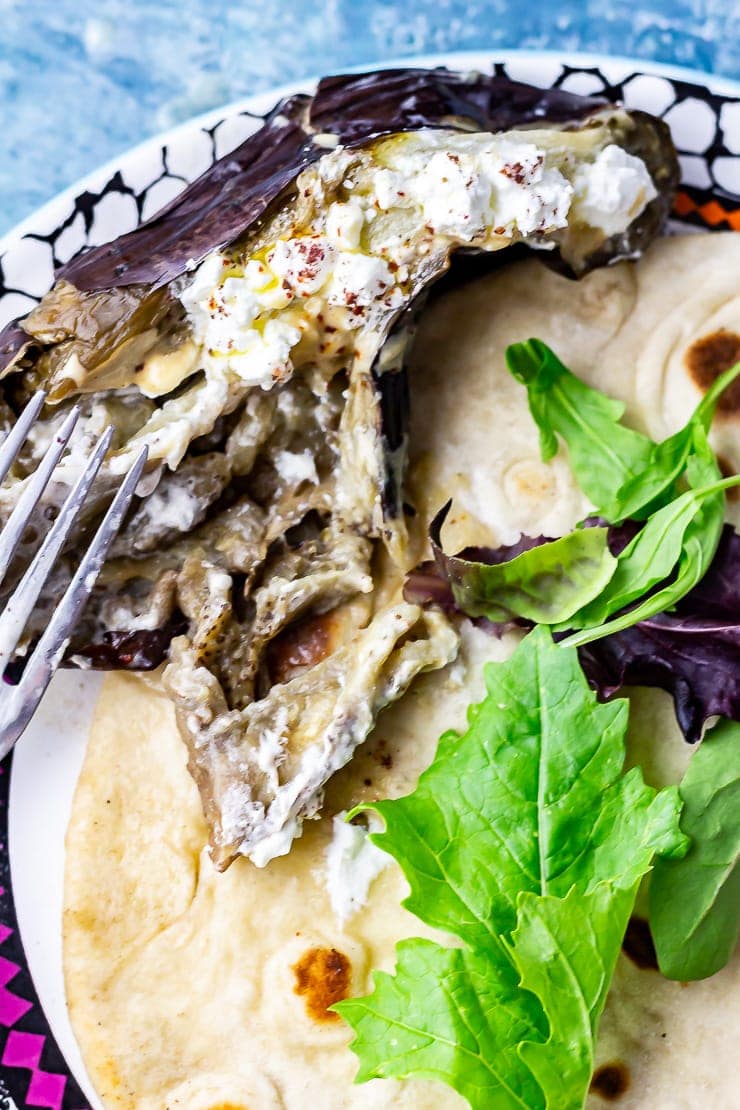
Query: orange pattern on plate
pixel 712 212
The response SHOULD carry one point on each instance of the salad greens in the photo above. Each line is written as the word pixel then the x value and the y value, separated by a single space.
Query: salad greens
pixel 577 577
pixel 693 653
pixel 698 536
pixel 603 453
pixel 546 584
pixel 525 842
pixel 623 473
pixel 694 902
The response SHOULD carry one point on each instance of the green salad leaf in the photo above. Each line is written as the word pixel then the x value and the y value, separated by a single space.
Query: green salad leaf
pixel 684 534
pixel 546 584
pixel 627 475
pixel 695 901
pixel 700 540
pixel 603 453
pixel 624 473
pixel 641 495
pixel 525 842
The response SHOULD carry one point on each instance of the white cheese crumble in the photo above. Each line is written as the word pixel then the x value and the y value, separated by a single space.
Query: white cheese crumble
pixel 360 279
pixel 426 188
pixel 499 184
pixel 295 467
pixel 613 190
pixel 344 223
pixel 305 263
pixel 352 862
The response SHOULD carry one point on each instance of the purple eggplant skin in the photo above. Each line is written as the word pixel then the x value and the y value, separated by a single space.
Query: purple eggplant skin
pixel 142 650
pixel 238 189
pixel 235 194
pixel 13 339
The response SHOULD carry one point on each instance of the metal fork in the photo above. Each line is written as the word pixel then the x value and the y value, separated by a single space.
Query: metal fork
pixel 19 703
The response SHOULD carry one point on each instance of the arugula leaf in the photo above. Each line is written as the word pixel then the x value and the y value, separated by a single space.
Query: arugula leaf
pixel 603 454
pixel 519 829
pixel 624 473
pixel 695 902
pixel 545 584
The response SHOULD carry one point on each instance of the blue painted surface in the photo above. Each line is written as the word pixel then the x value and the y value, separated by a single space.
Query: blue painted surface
pixel 81 82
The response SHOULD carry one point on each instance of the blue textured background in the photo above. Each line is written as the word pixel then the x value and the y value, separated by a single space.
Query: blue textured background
pixel 81 81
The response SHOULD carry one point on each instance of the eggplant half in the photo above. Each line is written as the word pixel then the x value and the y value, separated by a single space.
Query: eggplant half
pixel 253 336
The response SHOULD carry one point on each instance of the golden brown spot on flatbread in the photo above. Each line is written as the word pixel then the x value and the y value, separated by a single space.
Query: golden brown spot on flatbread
pixel 322 976
pixel 638 944
pixel 709 357
pixel 301 645
pixel 228 1106
pixel 610 1081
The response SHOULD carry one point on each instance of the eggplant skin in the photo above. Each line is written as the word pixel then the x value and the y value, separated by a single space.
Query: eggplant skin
pixel 237 190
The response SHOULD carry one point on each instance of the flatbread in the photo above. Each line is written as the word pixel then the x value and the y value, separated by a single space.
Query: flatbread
pixel 181 982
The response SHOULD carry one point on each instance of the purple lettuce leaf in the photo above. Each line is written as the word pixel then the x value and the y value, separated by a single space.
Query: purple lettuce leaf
pixel 692 653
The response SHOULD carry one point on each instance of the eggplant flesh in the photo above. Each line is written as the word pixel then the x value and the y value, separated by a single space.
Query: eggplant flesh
pixel 275 407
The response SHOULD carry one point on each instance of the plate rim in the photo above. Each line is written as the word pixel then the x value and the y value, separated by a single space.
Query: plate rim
pixel 260 102
pixel 55 210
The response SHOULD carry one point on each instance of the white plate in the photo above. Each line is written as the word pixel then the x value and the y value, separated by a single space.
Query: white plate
pixel 704 114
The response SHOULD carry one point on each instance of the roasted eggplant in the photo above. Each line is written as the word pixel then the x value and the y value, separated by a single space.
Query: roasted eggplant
pixel 253 334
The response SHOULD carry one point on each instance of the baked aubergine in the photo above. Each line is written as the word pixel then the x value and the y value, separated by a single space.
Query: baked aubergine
pixel 253 336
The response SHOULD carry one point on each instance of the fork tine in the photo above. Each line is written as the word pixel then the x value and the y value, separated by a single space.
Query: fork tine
pixel 18 609
pixel 18 519
pixel 16 436
pixel 50 648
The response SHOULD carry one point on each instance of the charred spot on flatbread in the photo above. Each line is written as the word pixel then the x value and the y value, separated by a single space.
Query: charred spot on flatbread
pixel 611 1081
pixel 709 357
pixel 322 977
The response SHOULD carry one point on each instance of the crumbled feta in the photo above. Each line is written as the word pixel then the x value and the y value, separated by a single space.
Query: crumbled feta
pixel 499 184
pixel 344 224
pixel 265 358
pixel 454 195
pixel 352 862
pixel 303 263
pixel 613 190
pixel 390 190
pixel 295 467
pixel 248 318
pixel 359 279
pixel 527 195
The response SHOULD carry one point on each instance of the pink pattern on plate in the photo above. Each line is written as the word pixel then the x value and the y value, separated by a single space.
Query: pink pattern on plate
pixel 12 1008
pixel 23 1050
